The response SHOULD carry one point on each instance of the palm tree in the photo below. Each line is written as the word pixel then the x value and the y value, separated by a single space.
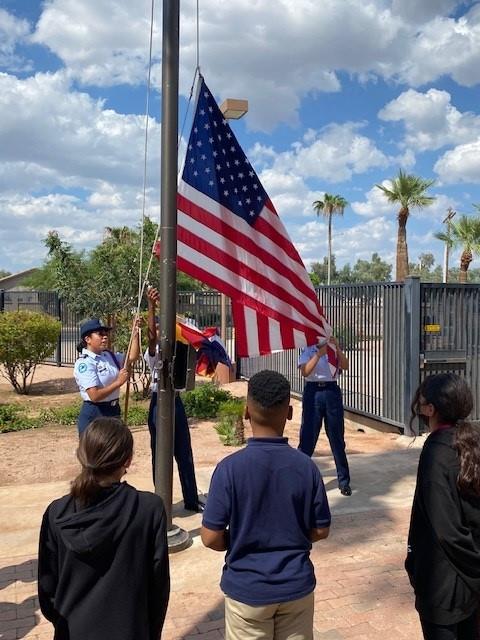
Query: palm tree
pixel 464 233
pixel 408 191
pixel 329 206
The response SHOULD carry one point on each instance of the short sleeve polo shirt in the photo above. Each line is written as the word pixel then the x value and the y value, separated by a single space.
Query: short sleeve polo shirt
pixel 322 372
pixel 270 496
pixel 97 370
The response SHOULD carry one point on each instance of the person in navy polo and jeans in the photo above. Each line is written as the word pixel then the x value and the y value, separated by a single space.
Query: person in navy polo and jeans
pixel 322 401
pixel 265 507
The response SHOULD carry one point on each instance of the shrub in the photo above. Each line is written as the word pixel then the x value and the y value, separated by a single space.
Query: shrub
pixel 137 415
pixel 13 418
pixel 231 429
pixel 205 400
pixel 26 338
pixel 67 415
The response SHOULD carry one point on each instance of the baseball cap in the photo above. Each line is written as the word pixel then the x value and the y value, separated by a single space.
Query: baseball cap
pixel 92 325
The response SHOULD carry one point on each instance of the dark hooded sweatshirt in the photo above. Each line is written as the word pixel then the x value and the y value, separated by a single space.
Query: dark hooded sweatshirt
pixel 103 570
pixel 443 561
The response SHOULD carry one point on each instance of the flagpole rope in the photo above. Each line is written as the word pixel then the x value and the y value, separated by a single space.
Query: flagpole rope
pixel 135 330
pixel 143 281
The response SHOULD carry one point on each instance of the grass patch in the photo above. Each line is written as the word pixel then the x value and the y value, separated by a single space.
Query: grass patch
pixel 13 418
pixel 67 415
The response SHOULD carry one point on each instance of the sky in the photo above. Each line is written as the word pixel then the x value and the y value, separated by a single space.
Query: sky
pixel 342 94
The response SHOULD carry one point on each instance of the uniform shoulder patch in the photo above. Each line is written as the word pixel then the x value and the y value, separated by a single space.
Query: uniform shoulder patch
pixel 82 367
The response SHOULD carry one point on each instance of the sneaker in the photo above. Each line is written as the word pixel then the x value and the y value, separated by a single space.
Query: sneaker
pixel 346 490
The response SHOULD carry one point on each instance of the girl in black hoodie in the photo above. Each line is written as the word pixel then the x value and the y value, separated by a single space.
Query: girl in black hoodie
pixel 103 560
pixel 443 560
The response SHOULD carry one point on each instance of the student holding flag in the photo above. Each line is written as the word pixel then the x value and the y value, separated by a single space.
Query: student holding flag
pixel 322 401
pixel 182 447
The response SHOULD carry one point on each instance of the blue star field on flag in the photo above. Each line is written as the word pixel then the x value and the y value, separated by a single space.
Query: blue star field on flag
pixel 216 165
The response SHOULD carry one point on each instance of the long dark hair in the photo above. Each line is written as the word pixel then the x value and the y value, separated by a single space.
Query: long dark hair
pixel 453 401
pixel 105 446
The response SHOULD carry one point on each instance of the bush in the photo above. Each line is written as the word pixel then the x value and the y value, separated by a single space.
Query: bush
pixel 13 418
pixel 26 338
pixel 67 415
pixel 137 415
pixel 231 429
pixel 205 400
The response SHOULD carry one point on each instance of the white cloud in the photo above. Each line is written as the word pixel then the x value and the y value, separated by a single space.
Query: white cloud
pixel 349 244
pixel 66 137
pixel 431 121
pixel 377 204
pixel 461 164
pixel 12 31
pixel 420 12
pixel 102 43
pixel 334 154
pixel 445 46
pixel 78 222
pixel 287 50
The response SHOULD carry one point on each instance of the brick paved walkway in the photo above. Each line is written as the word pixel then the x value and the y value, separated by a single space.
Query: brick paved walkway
pixel 362 590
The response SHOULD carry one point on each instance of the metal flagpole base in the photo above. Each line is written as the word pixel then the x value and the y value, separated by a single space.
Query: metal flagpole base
pixel 177 539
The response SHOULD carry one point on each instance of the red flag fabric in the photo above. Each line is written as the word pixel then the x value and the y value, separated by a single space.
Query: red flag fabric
pixel 231 238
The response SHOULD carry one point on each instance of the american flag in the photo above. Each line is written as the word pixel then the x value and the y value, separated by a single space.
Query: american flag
pixel 231 238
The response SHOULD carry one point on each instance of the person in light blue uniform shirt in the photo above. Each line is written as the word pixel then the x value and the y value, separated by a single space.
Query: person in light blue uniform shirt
pixel 322 402
pixel 100 373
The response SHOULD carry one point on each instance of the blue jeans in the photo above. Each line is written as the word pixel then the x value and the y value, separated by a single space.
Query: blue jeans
pixel 89 411
pixel 182 449
pixel 319 404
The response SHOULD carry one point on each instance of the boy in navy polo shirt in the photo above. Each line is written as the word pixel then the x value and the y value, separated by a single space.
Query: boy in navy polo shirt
pixel 265 507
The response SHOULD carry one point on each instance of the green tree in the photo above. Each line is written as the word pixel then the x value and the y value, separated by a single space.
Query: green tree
pixel 319 271
pixel 328 207
pixel 43 279
pixel 408 191
pixel 464 233
pixel 425 268
pixel 4 274
pixel 26 338
pixel 105 281
pixel 374 270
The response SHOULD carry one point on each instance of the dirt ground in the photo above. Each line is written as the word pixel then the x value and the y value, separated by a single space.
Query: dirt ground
pixel 48 454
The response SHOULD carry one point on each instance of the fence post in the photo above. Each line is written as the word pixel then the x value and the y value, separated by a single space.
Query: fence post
pixel 412 346
pixel 59 341
pixel 2 300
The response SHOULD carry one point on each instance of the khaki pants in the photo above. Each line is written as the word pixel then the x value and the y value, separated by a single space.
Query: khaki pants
pixel 282 621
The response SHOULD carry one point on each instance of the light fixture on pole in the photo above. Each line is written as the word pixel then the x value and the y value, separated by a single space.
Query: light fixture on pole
pixel 232 109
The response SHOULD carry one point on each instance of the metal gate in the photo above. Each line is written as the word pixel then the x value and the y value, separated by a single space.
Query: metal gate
pixel 449 333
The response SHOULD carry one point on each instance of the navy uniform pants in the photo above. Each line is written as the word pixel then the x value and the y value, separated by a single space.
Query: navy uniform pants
pixel 322 402
pixel 92 410
pixel 182 449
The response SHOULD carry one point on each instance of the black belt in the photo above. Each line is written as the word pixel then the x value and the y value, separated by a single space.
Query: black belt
pixel 111 403
pixel 322 385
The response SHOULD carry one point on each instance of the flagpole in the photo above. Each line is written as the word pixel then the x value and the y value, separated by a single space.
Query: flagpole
pixel 178 539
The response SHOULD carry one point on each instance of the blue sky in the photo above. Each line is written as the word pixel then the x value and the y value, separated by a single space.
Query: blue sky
pixel 342 93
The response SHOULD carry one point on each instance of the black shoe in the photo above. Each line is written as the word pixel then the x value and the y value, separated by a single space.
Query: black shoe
pixel 197 508
pixel 346 490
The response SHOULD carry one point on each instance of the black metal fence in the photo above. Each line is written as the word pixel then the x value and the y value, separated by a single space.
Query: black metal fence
pixel 393 335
